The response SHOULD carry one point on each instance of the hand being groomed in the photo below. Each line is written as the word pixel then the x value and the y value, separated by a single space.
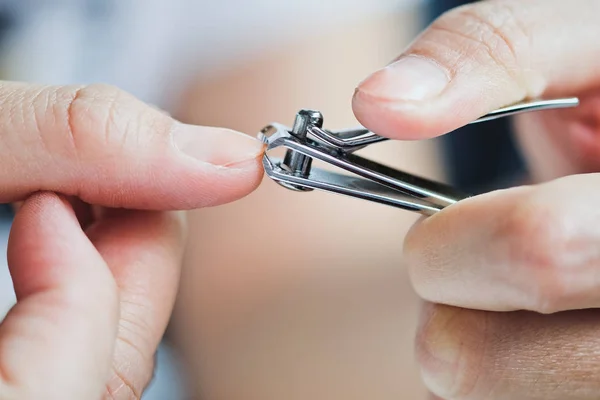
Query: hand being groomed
pixel 95 249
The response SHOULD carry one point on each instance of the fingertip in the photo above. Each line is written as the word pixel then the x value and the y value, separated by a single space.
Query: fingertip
pixel 49 210
pixel 401 120
pixel 209 186
pixel 424 94
pixel 216 146
pixel 226 163
pixel 42 216
pixel 46 202
pixel 45 233
pixel 449 345
pixel 248 174
pixel 67 305
pixel 399 101
pixel 410 78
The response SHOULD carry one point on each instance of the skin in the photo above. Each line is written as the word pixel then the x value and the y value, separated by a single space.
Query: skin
pixel 510 278
pixel 523 326
pixel 96 246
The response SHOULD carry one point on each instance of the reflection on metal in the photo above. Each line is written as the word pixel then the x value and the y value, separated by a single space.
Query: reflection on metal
pixel 359 177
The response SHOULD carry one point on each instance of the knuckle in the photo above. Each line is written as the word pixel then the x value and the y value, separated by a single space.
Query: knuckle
pixel 487 32
pixel 134 364
pixel 123 384
pixel 535 244
pixel 120 389
pixel 450 349
pixel 90 115
pixel 103 116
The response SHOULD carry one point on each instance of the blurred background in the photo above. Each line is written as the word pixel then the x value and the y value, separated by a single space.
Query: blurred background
pixel 283 295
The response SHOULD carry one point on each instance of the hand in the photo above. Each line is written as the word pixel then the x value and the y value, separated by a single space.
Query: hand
pixel 96 268
pixel 510 277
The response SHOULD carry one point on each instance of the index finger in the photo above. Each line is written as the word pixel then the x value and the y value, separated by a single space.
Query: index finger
pixel 110 149
pixel 480 57
pixel 527 248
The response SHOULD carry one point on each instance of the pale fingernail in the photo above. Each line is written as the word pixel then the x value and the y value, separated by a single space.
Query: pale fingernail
pixel 217 146
pixel 440 350
pixel 410 78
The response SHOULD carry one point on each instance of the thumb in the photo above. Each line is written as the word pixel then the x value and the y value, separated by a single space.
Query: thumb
pixel 110 149
pixel 480 57
pixel 57 342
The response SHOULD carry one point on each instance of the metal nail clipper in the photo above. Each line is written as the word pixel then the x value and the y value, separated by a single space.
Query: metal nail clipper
pixel 360 177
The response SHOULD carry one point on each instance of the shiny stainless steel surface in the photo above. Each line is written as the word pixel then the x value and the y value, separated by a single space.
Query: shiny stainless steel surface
pixel 368 180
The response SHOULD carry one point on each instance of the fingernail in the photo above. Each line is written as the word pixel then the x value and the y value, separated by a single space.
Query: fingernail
pixel 217 146
pixel 410 78
pixel 439 352
pixel 444 350
pixel 440 331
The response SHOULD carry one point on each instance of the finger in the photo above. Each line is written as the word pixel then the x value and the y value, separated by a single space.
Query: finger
pixel 528 248
pixel 108 148
pixel 562 142
pixel 57 342
pixel 467 354
pixel 479 57
pixel 144 251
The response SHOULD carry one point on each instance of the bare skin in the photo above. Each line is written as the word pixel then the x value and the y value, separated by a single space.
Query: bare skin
pixel 509 277
pixel 96 246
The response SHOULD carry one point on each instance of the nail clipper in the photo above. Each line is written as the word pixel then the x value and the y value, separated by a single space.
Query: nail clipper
pixel 362 178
